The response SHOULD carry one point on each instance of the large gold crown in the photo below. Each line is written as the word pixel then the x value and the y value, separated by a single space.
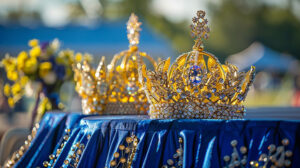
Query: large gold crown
pixel 196 85
pixel 115 89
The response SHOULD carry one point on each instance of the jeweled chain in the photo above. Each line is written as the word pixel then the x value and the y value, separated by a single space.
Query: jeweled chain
pixel 126 153
pixel 18 154
pixel 177 161
pixel 55 155
pixel 278 157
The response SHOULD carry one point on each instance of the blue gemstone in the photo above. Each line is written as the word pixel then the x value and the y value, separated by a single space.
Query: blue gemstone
pixel 208 95
pixel 240 97
pixel 213 90
pixel 132 89
pixel 222 96
pixel 194 76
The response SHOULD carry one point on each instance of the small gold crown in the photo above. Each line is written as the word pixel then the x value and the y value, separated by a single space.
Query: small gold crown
pixel 197 85
pixel 115 89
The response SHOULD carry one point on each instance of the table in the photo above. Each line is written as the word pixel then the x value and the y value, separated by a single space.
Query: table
pixel 77 140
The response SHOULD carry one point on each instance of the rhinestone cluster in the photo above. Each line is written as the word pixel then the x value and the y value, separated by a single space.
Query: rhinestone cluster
pixel 127 108
pixel 196 110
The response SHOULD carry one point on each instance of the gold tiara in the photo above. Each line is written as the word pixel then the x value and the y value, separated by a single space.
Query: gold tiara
pixel 115 89
pixel 196 85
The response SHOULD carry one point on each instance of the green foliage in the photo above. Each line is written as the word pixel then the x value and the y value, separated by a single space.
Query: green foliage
pixel 236 24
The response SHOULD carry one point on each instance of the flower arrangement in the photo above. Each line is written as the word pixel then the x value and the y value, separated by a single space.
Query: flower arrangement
pixel 44 67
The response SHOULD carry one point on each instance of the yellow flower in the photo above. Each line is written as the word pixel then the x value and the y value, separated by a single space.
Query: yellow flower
pixel 31 65
pixel 15 89
pixel 78 57
pixel 9 63
pixel 88 57
pixel 11 102
pixel 60 60
pixel 33 43
pixel 45 68
pixel 35 52
pixel 21 60
pixel 69 72
pixel 24 80
pixel 12 75
pixel 7 90
pixel 44 106
pixel 65 57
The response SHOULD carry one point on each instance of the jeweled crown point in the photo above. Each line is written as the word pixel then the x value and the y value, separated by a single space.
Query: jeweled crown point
pixel 199 30
pixel 133 30
pixel 101 69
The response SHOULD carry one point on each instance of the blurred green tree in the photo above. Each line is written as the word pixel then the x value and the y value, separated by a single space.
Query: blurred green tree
pixel 236 24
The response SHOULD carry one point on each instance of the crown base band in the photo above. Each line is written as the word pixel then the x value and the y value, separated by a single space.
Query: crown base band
pixel 114 108
pixel 119 108
pixel 192 110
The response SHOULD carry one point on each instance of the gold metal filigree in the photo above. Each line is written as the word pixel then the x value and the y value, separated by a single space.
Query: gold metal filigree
pixel 196 85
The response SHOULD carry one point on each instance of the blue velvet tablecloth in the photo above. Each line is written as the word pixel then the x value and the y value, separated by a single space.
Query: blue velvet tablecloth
pixel 205 143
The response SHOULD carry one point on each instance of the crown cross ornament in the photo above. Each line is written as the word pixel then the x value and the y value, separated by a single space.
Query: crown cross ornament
pixel 115 89
pixel 196 85
pixel 133 30
pixel 199 30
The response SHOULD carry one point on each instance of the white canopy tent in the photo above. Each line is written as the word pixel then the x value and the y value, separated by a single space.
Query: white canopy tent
pixel 263 58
